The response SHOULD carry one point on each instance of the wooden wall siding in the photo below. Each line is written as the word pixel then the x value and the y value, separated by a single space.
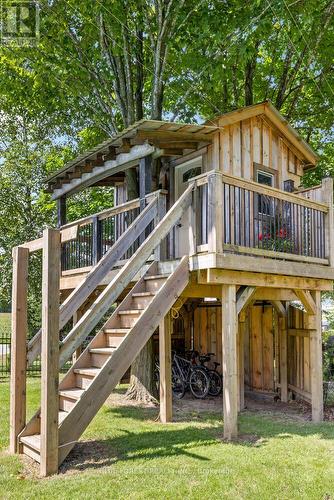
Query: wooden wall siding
pixel 259 349
pixel 207 331
pixel 298 350
pixel 255 140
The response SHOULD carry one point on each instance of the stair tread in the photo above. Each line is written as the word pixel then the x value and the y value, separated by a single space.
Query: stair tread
pixel 33 441
pixel 72 393
pixel 131 311
pixel 124 331
pixel 156 276
pixel 102 350
pixel 91 371
pixel 143 294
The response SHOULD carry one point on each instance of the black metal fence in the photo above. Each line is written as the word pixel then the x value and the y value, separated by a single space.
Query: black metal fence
pixel 95 238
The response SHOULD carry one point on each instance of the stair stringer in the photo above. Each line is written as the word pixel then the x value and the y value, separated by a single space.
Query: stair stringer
pixel 98 340
pixel 96 394
pixel 33 426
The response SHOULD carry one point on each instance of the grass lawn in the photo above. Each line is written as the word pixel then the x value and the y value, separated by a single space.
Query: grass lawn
pixel 5 323
pixel 130 455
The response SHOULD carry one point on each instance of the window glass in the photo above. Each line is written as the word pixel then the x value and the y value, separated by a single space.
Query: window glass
pixel 192 172
pixel 265 178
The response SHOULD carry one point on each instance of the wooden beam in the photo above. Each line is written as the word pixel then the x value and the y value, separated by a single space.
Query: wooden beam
pixel 274 294
pixel 165 358
pixel 17 417
pixel 316 362
pixel 50 352
pixel 222 276
pixel 230 368
pixel 307 301
pixel 145 179
pixel 245 297
pixel 61 211
pixel 165 136
pixel 279 307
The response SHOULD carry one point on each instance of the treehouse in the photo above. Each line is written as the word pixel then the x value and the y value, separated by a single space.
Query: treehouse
pixel 221 232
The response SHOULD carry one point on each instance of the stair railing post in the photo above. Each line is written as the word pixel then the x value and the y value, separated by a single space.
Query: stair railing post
pixel 50 352
pixel 215 212
pixel 192 224
pixel 161 250
pixel 18 346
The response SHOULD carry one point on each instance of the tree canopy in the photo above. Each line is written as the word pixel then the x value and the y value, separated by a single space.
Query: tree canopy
pixel 99 66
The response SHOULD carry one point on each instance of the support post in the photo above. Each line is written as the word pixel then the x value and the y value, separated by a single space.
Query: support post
pixel 241 361
pixel 327 190
pixel 283 329
pixel 230 368
pixel 18 346
pixel 50 352
pixel 145 179
pixel 165 362
pixel 316 361
pixel 215 212
pixel 61 211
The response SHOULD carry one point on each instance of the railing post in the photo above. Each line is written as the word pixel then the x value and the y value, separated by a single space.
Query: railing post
pixel 165 362
pixel 50 352
pixel 161 250
pixel 18 346
pixel 192 223
pixel 97 240
pixel 215 212
pixel 327 197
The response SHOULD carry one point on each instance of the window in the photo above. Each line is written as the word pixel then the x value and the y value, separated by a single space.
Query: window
pixel 189 174
pixel 265 178
pixel 264 202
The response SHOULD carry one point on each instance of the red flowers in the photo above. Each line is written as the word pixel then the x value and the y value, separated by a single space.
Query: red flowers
pixel 282 233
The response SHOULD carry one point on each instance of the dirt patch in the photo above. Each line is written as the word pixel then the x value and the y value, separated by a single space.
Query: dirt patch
pixel 87 455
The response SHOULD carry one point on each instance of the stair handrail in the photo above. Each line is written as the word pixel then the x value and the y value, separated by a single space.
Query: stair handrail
pixel 81 293
pixel 99 308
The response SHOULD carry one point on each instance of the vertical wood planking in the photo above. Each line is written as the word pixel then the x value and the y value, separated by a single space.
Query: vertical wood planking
pixel 225 150
pixel 246 150
pixel 230 367
pixel 266 145
pixel 18 346
pixel 165 355
pixel 50 352
pixel 236 140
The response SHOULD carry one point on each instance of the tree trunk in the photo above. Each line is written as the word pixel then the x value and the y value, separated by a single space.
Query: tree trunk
pixel 142 387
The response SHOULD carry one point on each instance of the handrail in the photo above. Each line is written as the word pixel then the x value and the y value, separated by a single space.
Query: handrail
pixel 118 209
pixel 99 308
pixel 274 192
pixel 96 275
pixel 202 179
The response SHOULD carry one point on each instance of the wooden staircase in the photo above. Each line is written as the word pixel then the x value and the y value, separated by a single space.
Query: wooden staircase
pixel 97 371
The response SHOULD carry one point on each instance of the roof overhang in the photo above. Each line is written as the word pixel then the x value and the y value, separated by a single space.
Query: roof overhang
pixel 108 160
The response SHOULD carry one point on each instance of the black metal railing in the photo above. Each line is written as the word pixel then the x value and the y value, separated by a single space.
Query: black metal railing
pixel 265 222
pixel 95 237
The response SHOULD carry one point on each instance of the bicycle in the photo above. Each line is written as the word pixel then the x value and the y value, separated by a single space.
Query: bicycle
pixel 216 380
pixel 185 376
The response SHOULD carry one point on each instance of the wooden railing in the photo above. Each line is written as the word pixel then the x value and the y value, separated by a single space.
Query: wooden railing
pixel 239 216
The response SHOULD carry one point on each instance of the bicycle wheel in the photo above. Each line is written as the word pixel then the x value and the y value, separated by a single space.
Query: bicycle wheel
pixel 178 386
pixel 199 383
pixel 216 383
